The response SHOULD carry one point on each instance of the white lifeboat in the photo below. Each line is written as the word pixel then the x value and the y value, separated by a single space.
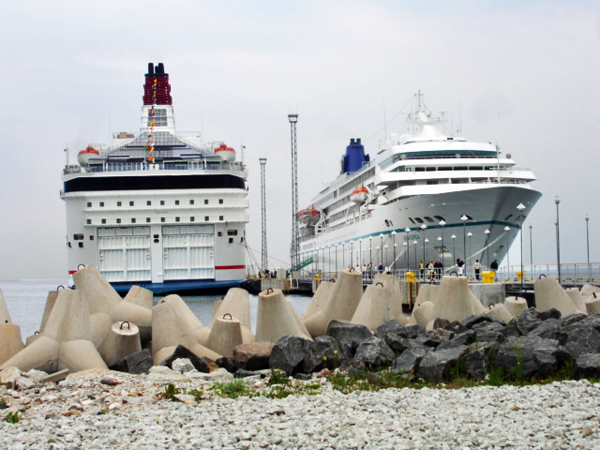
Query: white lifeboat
pixel 226 153
pixel 359 195
pixel 309 215
pixel 84 156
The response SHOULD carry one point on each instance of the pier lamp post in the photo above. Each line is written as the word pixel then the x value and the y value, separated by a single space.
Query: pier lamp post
pixel 531 250
pixel 394 251
pixel 329 259
pixel 487 245
pixel 407 240
pixel 360 254
pixel 351 253
pixel 453 246
pixel 343 254
pixel 425 242
pixel 377 252
pixel 370 249
pixel 442 247
pixel 587 233
pixel 442 223
pixel 507 229
pixel 557 201
pixel 464 219
pixel 521 207
pixel 470 236
pixel 336 258
pixel 416 263
pixel 385 256
pixel 381 246
pixel 423 227
pixel 406 252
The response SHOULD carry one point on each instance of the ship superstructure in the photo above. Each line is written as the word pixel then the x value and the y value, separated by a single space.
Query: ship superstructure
pixel 158 209
pixel 424 196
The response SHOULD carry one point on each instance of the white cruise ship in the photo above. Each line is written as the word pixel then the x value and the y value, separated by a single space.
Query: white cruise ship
pixel 424 196
pixel 158 210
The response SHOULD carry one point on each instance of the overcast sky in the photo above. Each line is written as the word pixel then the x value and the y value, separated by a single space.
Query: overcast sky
pixel 522 74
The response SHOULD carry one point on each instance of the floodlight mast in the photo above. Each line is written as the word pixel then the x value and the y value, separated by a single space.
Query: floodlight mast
pixel 264 260
pixel 293 119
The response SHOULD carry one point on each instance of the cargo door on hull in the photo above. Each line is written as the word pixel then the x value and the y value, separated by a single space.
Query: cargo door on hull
pixel 124 253
pixel 188 252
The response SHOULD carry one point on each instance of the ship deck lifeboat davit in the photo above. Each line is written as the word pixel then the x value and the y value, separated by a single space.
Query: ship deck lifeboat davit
pixel 226 153
pixel 309 215
pixel 84 156
pixel 359 195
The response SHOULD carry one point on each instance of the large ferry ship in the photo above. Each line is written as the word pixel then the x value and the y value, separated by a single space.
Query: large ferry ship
pixel 158 209
pixel 425 196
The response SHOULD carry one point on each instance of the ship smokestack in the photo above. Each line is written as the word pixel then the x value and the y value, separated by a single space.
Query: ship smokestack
pixel 163 88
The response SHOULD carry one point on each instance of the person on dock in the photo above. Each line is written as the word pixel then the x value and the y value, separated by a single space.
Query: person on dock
pixel 460 263
pixel 439 269
pixel 477 267
pixel 422 269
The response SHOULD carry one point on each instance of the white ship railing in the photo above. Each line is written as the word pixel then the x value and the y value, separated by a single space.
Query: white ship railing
pixel 142 166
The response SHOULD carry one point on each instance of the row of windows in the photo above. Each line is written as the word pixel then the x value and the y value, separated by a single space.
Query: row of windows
pixel 149 220
pixel 149 203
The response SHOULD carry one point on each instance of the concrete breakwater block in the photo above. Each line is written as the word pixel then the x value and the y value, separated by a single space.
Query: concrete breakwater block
pixel 550 294
pixel 123 340
pixel 319 299
pixel 455 301
pixel 173 324
pixel 4 314
pixel 225 335
pixel 341 305
pixel 421 315
pixel 499 312
pixel 50 301
pixel 140 296
pixel 274 319
pixel 65 343
pixel 237 304
pixel 375 308
pixel 592 304
pixel 515 305
pixel 11 341
pixel 107 306
pixel 589 289
pixel 392 284
pixel 575 295
pixel 427 293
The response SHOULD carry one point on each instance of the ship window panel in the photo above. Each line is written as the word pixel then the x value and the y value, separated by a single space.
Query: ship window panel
pixel 430 182
pixel 430 169
pixel 206 202
pixel 192 219
pixel 191 202
pixel 101 203
pixel 130 203
pixel 177 219
pixel 162 219
pixel 80 244
pixel 508 217
pixel 419 220
pixel 162 203
pixel 148 220
pixel 118 220
pixel 88 221
pixel 176 202
pixel 89 204
pixel 118 203
pixel 220 233
pixel 428 219
pixel 221 218
pixel 78 237
pixel 439 218
pixel 103 221
pixel 220 201
pixel 413 222
pixel 133 220
pixel 91 237
pixel 206 218
pixel 148 203
pixel 232 232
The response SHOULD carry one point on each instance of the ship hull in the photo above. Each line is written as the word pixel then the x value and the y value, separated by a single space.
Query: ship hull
pixel 379 237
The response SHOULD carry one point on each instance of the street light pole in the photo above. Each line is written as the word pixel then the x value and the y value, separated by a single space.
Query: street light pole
pixel 487 245
pixel 521 207
pixel 557 201
pixel 453 246
pixel 587 233
pixel 470 250
pixel 442 223
pixel 507 229
pixel 407 240
pixel 394 252
pixel 423 227
pixel 531 250
pixel 464 219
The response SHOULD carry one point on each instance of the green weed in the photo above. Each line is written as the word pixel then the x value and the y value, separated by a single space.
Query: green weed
pixel 13 417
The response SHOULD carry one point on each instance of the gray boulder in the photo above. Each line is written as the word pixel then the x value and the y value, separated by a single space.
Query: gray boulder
pixel 200 364
pixel 348 335
pixel 409 360
pixel 322 347
pixel 288 354
pixel 464 339
pixel 392 326
pixel 456 327
pixel 136 363
pixel 440 365
pixel 528 357
pixel 587 366
pixel 583 340
pixel 527 321
pixel 435 337
pixel 550 329
pixel 375 353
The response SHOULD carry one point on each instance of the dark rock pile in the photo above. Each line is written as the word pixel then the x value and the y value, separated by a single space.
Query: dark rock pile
pixel 534 344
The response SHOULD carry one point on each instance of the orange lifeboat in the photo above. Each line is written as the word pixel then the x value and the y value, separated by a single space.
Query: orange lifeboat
pixel 309 215
pixel 84 156
pixel 359 195
pixel 226 153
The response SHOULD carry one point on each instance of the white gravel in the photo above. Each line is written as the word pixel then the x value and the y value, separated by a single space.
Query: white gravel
pixel 562 415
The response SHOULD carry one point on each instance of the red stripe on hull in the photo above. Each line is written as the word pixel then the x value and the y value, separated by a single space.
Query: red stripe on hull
pixel 229 267
pixel 71 272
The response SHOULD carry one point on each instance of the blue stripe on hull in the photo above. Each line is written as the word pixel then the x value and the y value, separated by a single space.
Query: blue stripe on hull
pixel 176 287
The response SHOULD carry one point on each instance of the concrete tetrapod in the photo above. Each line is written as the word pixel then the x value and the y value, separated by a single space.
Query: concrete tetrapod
pixel 427 293
pixel 140 296
pixel 107 306
pixel 65 343
pixel 274 319
pixel 173 324
pixel 515 305
pixel 592 304
pixel 319 299
pixel 392 284
pixel 123 340
pixel 50 301
pixel 11 341
pixel 421 315
pixel 575 295
pixel 455 301
pixel 589 289
pixel 237 304
pixel 341 305
pixel 499 312
pixel 550 294
pixel 225 335
pixel 375 308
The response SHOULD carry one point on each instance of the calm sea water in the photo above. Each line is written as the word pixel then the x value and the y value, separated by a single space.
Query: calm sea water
pixel 26 300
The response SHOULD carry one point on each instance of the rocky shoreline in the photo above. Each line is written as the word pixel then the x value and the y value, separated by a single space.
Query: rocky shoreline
pixel 98 409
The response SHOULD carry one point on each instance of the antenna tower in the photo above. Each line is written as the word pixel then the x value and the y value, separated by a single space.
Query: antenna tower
pixel 293 118
pixel 264 259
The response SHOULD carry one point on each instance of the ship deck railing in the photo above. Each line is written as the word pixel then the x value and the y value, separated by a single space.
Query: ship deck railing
pixel 143 166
